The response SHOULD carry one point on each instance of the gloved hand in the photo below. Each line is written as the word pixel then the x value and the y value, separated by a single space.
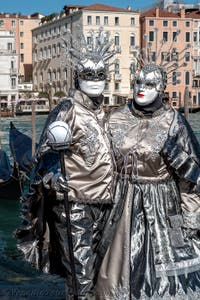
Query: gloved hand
pixel 56 182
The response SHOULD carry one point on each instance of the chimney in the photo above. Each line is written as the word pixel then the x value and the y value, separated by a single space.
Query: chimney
pixel 157 12
pixel 183 13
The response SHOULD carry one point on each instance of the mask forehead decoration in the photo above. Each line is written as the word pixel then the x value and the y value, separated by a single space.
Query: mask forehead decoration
pixel 90 60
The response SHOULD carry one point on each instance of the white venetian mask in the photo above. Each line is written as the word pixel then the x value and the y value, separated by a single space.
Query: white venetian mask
pixel 91 77
pixel 147 87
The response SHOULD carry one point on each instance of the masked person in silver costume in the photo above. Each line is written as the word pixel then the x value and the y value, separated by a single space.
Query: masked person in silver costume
pixel 155 252
pixel 89 164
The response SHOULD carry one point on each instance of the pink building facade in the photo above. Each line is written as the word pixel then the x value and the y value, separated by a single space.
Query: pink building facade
pixel 158 25
pixel 22 27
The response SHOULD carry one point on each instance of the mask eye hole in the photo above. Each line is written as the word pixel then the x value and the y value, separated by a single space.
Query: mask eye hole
pixel 101 75
pixel 89 75
pixel 150 84
pixel 138 81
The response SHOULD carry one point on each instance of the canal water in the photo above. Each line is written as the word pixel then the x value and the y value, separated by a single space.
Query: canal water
pixel 18 281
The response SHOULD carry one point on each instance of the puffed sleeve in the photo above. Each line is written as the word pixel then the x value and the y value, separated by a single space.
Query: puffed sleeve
pixel 33 234
pixel 181 153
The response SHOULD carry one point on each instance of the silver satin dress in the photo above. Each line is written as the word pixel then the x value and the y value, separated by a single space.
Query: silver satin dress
pixel 155 251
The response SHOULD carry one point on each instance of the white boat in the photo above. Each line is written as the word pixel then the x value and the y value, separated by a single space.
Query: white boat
pixel 26 106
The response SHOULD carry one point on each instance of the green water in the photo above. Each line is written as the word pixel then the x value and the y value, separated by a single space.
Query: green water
pixel 17 279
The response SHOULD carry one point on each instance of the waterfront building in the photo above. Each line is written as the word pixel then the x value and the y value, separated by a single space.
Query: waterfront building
pixel 21 26
pixel 8 70
pixel 156 25
pixel 50 71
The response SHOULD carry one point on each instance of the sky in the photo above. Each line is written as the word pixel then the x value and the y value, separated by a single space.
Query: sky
pixel 26 7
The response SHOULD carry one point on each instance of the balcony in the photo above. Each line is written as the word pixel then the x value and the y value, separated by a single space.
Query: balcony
pixel 117 77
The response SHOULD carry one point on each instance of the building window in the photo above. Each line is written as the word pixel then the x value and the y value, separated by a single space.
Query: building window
pixel 21 22
pixel 132 68
pixel 151 22
pixel 89 20
pixel 195 37
pixel 107 86
pixel 165 36
pixel 54 50
pixel 187 78
pixel 58 74
pixel 174 95
pixel 116 20
pixel 187 37
pixel 132 40
pixel 49 76
pixel 106 100
pixel 117 40
pixel 194 100
pixel 97 20
pixel 49 52
pixel 54 75
pixel 41 54
pixel 21 34
pixel 58 49
pixel 13 83
pixel 174 56
pixel 13 23
pixel 117 67
pixel 174 23
pixel 132 21
pixel 187 24
pixel 1 23
pixel 21 45
pixel 165 23
pixel 174 36
pixel 105 20
pixel 9 46
pixel 165 56
pixel 116 86
pixel 89 40
pixel 174 78
pixel 65 73
pixel 151 36
pixel 152 55
pixel 187 56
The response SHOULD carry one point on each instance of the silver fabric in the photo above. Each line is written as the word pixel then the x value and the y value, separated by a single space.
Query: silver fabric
pixel 88 162
pixel 154 254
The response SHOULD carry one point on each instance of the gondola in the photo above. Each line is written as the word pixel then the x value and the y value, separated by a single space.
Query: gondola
pixel 10 181
pixel 21 148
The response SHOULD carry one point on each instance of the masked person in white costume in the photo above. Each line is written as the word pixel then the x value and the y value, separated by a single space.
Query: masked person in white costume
pixel 89 165
pixel 155 252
